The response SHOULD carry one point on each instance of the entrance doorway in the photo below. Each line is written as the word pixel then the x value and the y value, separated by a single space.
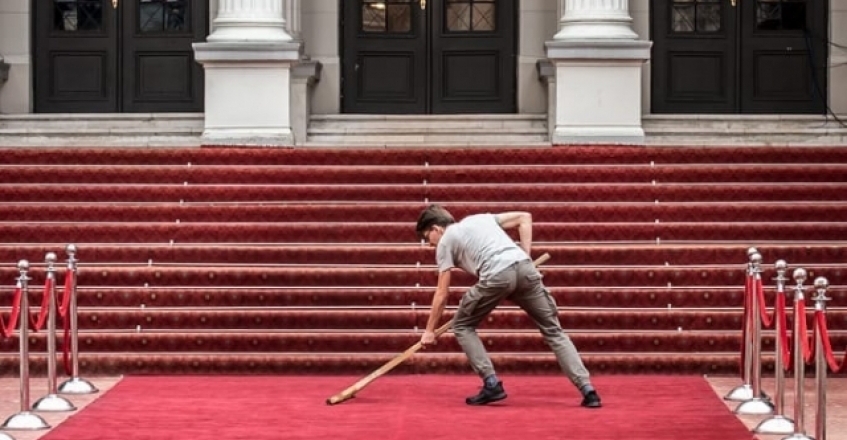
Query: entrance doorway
pixel 112 56
pixel 739 56
pixel 429 56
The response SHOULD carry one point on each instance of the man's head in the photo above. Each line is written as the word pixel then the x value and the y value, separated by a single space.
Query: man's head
pixel 431 223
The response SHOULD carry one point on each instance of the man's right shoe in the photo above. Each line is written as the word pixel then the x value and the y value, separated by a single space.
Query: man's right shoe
pixel 591 400
pixel 487 395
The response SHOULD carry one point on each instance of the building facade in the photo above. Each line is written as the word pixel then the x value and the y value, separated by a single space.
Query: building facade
pixel 258 68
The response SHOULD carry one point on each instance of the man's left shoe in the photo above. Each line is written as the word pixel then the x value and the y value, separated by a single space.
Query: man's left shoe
pixel 487 395
pixel 591 400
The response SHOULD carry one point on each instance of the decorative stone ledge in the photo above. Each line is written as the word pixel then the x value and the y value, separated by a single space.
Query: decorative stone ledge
pixel 4 70
pixel 304 76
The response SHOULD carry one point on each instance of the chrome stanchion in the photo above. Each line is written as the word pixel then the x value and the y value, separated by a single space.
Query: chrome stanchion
pixel 52 401
pixel 799 361
pixel 759 403
pixel 744 391
pixel 76 384
pixel 821 284
pixel 25 419
pixel 778 423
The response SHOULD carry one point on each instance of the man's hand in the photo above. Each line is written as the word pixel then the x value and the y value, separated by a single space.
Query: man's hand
pixel 428 338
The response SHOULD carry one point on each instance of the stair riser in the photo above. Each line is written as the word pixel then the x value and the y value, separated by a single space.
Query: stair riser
pixel 376 213
pixel 90 257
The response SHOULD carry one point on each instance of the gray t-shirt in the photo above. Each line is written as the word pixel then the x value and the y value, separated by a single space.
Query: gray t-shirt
pixel 478 245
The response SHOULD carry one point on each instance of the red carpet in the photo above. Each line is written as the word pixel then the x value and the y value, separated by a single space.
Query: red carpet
pixel 403 407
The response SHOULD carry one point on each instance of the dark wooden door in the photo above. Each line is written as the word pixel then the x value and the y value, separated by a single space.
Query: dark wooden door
pixel 105 56
pixel 429 56
pixel 742 56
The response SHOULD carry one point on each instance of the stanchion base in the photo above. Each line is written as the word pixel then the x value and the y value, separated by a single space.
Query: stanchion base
pixel 25 421
pixel 755 407
pixel 775 425
pixel 77 385
pixel 740 394
pixel 798 437
pixel 4 436
pixel 53 402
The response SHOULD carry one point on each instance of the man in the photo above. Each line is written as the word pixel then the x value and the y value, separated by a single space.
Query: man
pixel 480 245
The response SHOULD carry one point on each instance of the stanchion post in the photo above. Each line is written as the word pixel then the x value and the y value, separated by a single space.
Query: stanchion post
pixel 759 403
pixel 76 384
pixel 744 391
pixel 778 423
pixel 821 284
pixel 25 420
pixel 799 361
pixel 52 401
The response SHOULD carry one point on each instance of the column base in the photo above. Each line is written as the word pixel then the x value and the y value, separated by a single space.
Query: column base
pixel 607 135
pixel 598 91
pixel 250 137
pixel 248 92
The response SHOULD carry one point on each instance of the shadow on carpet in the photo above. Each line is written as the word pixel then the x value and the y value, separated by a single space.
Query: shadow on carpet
pixel 407 407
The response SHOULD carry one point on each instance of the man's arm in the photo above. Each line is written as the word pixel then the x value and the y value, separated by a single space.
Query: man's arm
pixel 521 220
pixel 439 301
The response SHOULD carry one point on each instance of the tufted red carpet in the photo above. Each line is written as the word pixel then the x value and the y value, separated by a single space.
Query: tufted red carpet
pixel 407 407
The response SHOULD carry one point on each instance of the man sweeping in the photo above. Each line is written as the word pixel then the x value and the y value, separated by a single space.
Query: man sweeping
pixel 480 245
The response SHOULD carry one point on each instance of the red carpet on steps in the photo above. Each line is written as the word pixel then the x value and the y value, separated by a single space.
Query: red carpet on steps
pixel 407 407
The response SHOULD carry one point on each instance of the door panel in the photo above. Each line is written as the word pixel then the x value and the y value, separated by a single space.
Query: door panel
pixel 158 59
pixel 743 56
pixel 101 56
pixel 76 58
pixel 777 37
pixel 693 56
pixel 429 56
pixel 384 57
pixel 473 56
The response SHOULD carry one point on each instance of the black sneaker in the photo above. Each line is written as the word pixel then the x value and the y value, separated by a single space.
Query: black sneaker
pixel 487 395
pixel 591 400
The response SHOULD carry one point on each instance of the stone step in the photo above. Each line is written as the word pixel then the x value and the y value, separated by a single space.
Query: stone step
pixel 410 130
pixel 785 130
pixel 112 129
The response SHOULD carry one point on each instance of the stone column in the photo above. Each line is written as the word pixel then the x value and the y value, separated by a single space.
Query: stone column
pixel 292 14
pixel 248 60
pixel 598 60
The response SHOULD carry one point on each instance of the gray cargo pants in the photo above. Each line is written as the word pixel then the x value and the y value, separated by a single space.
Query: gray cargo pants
pixel 521 283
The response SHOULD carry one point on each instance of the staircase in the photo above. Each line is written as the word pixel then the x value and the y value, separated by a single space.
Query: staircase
pixel 214 260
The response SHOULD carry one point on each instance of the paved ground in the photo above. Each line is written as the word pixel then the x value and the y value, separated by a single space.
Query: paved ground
pixel 836 403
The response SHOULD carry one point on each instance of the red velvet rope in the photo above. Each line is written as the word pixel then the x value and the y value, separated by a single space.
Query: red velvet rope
pixel 65 303
pixel 8 329
pixel 808 347
pixel 38 323
pixel 820 321
pixel 767 321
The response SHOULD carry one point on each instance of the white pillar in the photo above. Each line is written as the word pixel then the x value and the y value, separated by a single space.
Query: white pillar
pixel 247 61
pixel 605 19
pixel 598 60
pixel 291 12
pixel 250 20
